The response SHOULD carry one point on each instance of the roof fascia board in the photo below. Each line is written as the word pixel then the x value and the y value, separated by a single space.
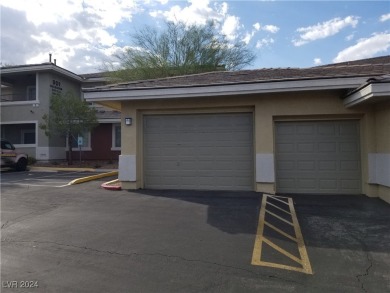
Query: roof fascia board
pixel 222 90
pixel 110 120
pixel 43 67
pixel 368 92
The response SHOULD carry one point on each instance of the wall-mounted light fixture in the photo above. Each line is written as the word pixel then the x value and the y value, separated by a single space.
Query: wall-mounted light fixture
pixel 128 121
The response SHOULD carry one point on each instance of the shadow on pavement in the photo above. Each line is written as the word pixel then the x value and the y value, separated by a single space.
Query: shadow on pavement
pixel 353 222
pixel 228 211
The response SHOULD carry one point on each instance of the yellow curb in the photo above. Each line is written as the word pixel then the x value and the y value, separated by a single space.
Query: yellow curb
pixel 62 169
pixel 93 177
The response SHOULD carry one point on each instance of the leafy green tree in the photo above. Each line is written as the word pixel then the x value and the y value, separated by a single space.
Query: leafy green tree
pixel 178 50
pixel 69 116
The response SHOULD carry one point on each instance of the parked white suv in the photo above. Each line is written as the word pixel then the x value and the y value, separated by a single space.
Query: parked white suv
pixel 11 158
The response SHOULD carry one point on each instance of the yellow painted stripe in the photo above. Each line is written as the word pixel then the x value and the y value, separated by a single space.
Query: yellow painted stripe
pixel 301 243
pixel 281 232
pixel 276 198
pixel 280 218
pixel 280 266
pixel 279 208
pixel 282 251
pixel 260 239
pixel 256 255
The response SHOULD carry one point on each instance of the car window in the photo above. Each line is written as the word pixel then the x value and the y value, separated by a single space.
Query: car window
pixel 5 145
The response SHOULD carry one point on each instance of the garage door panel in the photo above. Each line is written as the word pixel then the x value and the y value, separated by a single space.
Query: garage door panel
pixel 285 148
pixel 327 129
pixel 306 147
pixel 349 166
pixel 318 157
pixel 350 184
pixel 305 129
pixel 328 184
pixel 205 151
pixel 348 147
pixel 306 165
pixel 327 147
pixel 306 184
pixel 327 165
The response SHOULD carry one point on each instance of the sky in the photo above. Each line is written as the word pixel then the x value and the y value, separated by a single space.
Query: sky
pixel 82 34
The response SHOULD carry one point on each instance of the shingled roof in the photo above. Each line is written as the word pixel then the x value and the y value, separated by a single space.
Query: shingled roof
pixel 372 67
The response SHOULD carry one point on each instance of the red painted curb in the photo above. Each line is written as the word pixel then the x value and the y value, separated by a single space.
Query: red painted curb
pixel 111 187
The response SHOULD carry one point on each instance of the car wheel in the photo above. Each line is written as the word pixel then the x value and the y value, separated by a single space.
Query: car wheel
pixel 21 165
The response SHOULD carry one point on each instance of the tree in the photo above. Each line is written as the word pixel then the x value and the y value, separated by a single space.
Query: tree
pixel 178 50
pixel 69 116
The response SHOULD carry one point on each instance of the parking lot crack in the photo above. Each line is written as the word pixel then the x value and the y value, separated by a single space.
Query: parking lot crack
pixel 27 216
pixel 366 273
pixel 4 225
pixel 360 277
pixel 154 254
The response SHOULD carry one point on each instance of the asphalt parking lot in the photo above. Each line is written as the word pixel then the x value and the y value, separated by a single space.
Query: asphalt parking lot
pixel 48 178
pixel 82 238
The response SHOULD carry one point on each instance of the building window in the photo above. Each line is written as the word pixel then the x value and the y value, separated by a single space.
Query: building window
pixel 19 134
pixel 31 93
pixel 28 136
pixel 116 136
pixel 85 139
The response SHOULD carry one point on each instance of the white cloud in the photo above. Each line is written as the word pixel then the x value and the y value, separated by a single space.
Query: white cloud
pixel 198 12
pixel 47 11
pixel 257 26
pixel 271 28
pixel 70 30
pixel 324 30
pixel 230 27
pixel 264 42
pixel 365 48
pixel 384 17
pixel 317 61
pixel 248 37
pixel 350 37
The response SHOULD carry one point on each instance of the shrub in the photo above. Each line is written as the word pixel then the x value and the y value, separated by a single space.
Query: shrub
pixel 31 160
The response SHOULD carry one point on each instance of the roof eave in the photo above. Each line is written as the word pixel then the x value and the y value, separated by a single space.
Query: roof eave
pixel 371 92
pixel 96 95
pixel 41 67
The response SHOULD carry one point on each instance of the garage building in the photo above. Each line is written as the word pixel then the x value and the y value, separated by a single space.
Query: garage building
pixel 319 130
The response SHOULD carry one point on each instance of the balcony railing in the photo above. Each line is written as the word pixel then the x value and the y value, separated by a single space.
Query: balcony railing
pixel 15 98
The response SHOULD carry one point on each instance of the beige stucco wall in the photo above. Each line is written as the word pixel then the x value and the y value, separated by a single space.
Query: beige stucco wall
pixel 266 109
pixel 382 133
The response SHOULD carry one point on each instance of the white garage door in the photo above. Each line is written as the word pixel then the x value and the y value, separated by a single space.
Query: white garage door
pixel 318 157
pixel 200 151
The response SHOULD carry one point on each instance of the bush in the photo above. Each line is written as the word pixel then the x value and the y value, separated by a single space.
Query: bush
pixel 31 160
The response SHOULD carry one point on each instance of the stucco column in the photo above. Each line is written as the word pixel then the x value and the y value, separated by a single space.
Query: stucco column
pixel 265 159
pixel 128 158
